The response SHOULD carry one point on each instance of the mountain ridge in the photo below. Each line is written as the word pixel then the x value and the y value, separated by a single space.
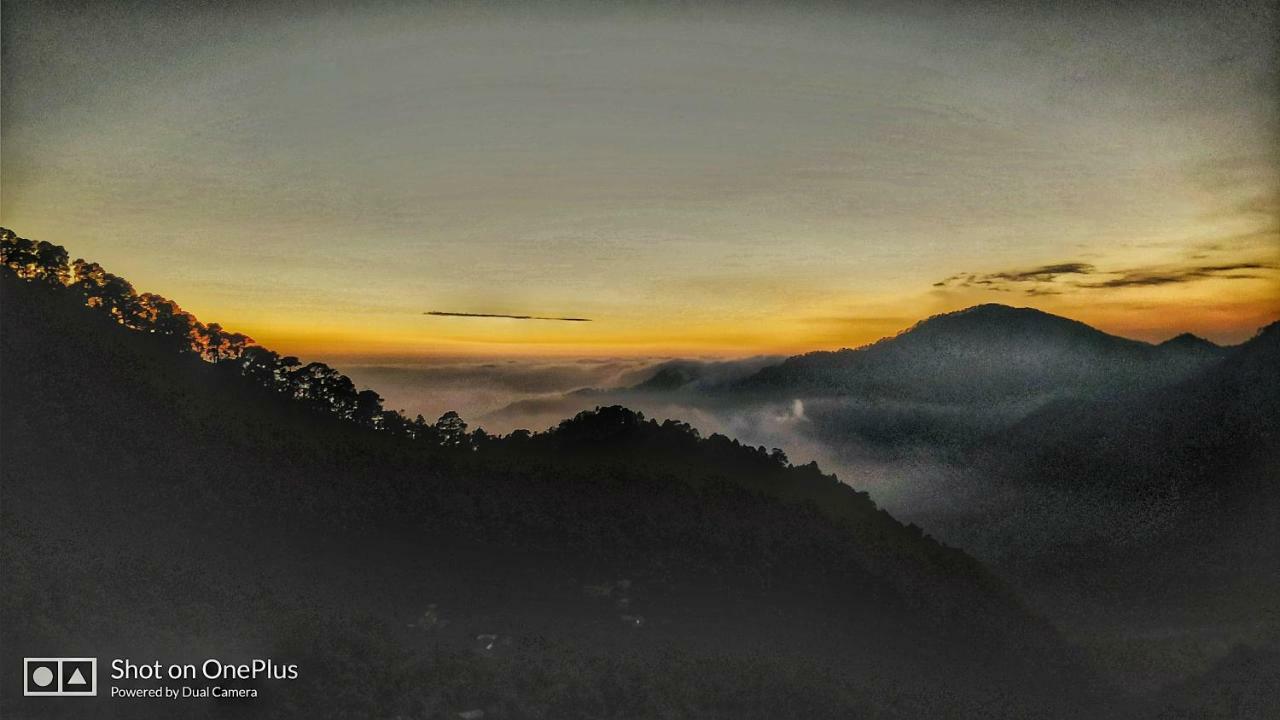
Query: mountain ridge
pixel 948 381
pixel 1031 351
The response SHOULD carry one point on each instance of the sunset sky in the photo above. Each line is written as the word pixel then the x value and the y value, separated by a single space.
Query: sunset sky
pixel 713 181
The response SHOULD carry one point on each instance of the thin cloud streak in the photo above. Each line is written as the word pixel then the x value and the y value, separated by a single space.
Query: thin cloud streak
pixel 1147 278
pixel 439 313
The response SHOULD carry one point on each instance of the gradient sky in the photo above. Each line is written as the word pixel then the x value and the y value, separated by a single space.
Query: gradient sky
pixel 698 181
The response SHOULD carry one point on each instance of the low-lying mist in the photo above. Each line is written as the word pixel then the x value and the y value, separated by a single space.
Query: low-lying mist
pixel 478 389
pixel 914 457
pixel 843 435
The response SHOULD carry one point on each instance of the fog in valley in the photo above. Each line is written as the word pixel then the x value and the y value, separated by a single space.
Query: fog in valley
pixel 504 394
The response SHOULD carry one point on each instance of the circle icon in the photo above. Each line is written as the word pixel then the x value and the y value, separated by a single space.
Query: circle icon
pixel 42 676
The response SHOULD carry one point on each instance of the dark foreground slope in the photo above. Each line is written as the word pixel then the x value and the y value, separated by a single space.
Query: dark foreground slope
pixel 156 506
pixel 1186 472
pixel 1148 519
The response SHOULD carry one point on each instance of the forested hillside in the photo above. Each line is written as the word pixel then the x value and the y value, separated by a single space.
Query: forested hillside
pixel 169 488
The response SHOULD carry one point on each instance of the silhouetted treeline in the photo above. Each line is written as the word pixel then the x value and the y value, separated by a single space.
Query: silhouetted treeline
pixel 316 384
pixel 43 262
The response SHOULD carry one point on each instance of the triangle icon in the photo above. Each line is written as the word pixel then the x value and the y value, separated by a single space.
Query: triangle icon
pixel 76 678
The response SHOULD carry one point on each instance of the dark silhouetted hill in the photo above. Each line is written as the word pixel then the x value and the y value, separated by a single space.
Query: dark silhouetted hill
pixel 161 502
pixel 1196 433
pixel 986 353
pixel 1186 342
pixel 1147 519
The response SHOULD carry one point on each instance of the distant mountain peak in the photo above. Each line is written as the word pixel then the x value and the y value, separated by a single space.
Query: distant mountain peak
pixel 994 309
pixel 996 312
pixel 988 318
pixel 1189 341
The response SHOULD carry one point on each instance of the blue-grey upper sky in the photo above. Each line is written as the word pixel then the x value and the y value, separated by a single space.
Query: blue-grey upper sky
pixel 718 179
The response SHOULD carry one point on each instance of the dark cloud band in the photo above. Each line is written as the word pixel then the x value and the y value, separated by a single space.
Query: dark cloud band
pixel 440 313
pixel 1044 280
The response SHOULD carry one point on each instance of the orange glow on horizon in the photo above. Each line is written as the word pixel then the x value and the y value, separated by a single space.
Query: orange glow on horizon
pixel 1225 321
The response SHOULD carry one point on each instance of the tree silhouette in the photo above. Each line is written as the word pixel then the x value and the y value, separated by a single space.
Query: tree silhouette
pixel 34 260
pixel 451 429
pixel 368 408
